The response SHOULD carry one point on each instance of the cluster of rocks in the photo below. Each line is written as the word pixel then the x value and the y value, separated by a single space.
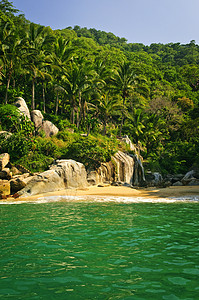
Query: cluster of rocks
pixel 191 178
pixel 63 174
pixel 123 169
pixel 12 178
pixel 37 118
pixel 66 174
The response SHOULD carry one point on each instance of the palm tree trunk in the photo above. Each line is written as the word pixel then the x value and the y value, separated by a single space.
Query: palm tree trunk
pixel 79 111
pixel 57 104
pixel 122 120
pixel 7 88
pixel 44 98
pixel 33 94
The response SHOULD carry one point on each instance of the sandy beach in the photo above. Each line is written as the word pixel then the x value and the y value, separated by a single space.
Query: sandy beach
pixel 121 191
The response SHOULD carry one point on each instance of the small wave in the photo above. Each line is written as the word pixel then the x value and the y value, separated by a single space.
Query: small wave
pixel 116 199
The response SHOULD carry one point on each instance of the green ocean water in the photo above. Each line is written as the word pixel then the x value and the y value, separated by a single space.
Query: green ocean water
pixel 99 250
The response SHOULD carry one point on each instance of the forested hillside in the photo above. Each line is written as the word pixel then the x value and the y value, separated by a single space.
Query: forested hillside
pixel 97 83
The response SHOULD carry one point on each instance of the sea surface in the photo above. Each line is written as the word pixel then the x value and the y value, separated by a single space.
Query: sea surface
pixel 99 248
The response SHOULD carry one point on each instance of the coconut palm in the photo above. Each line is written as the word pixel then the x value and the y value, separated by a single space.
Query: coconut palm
pixel 124 82
pixel 108 106
pixel 34 54
pixel 9 53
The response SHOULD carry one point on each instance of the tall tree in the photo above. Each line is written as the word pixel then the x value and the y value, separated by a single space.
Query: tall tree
pixel 124 81
pixel 108 106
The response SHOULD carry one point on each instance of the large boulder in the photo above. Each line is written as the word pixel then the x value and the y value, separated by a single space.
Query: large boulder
pixel 37 118
pixel 49 128
pixel 17 184
pixel 4 160
pixel 64 174
pixel 22 106
pixel 153 178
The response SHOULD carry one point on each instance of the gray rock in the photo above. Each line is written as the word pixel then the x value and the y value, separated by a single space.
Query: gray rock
pixel 177 183
pixel 153 178
pixel 19 183
pixel 64 174
pixel 127 185
pixel 4 160
pixel 194 182
pixel 49 128
pixel 37 118
pixel 188 177
pixel 22 106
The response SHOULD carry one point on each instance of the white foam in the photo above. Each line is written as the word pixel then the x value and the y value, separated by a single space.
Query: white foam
pixel 104 199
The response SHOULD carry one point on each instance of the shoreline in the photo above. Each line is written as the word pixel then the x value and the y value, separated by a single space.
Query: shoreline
pixel 152 193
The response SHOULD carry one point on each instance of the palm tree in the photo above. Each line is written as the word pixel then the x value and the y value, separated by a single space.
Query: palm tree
pixel 34 54
pixel 108 106
pixel 9 53
pixel 78 85
pixel 134 123
pixel 61 58
pixel 124 81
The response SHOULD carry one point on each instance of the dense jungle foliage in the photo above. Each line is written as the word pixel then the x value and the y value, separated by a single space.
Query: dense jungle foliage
pixel 96 83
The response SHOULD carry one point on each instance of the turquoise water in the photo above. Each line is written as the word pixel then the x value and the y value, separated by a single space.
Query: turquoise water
pixel 99 250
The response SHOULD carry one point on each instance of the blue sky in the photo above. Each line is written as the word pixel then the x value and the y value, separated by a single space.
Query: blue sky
pixel 139 21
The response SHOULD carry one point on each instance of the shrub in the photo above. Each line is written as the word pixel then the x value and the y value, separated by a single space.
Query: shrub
pixel 47 147
pixel 9 116
pixel 13 121
pixel 35 162
pixel 17 145
pixel 91 151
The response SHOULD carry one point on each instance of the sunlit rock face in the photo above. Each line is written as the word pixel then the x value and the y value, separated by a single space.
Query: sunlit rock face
pixel 22 107
pixel 64 174
pixel 121 168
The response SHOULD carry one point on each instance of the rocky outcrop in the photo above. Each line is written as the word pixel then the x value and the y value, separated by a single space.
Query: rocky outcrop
pixel 22 106
pixel 64 174
pixel 138 175
pixel 105 173
pixel 122 168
